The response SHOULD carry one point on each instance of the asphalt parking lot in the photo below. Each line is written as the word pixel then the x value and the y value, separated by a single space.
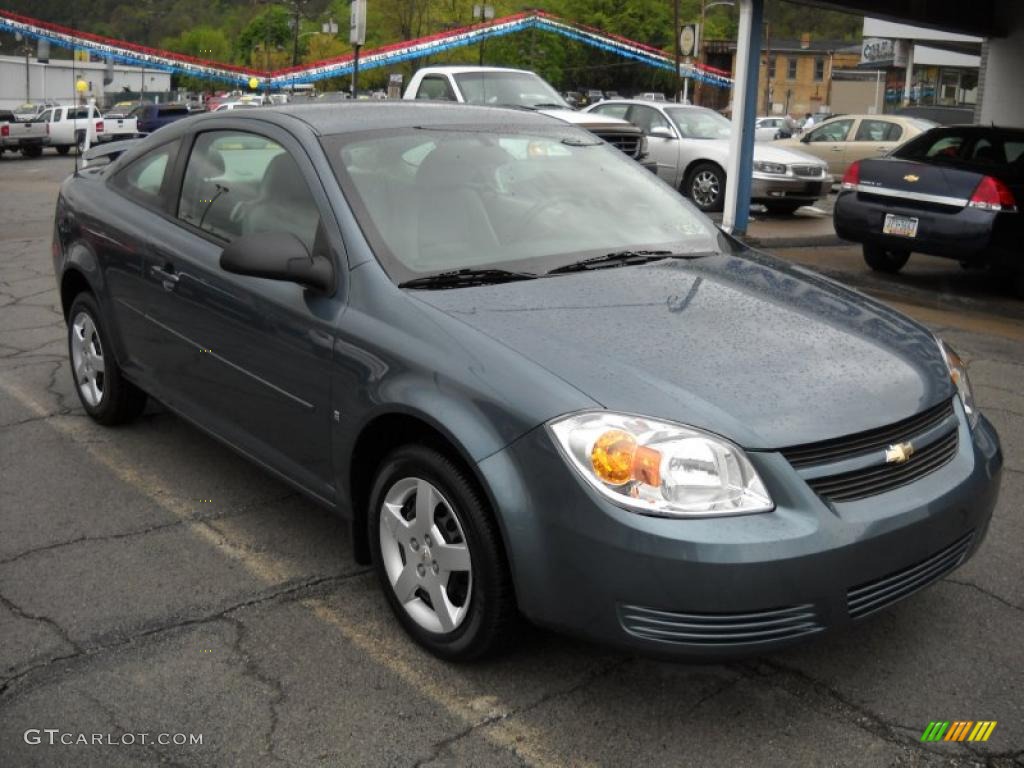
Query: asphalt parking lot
pixel 153 582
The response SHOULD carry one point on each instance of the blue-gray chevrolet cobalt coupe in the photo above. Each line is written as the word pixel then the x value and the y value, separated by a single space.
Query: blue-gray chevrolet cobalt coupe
pixel 534 379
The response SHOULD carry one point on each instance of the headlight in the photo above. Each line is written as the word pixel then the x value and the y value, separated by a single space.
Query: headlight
pixel 658 468
pixel 775 168
pixel 958 373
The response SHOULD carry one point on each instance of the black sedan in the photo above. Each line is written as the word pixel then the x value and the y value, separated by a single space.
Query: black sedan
pixel 535 379
pixel 951 192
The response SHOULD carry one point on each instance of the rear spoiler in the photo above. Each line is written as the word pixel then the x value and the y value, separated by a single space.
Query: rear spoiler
pixel 108 151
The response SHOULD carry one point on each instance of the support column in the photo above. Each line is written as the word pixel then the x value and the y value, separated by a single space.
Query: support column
pixel 744 114
pixel 910 73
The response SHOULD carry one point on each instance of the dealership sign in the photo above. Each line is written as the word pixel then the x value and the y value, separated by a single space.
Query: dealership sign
pixel 883 52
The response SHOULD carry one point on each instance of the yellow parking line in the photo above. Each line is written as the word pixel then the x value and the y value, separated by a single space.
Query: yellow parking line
pixel 496 718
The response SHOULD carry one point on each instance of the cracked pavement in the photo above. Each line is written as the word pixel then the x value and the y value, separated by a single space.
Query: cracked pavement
pixel 151 581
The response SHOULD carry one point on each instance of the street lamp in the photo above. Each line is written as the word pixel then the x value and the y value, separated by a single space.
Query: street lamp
pixel 484 13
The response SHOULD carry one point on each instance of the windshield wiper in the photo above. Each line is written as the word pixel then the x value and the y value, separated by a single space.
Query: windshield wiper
pixel 622 258
pixel 460 278
pixel 549 105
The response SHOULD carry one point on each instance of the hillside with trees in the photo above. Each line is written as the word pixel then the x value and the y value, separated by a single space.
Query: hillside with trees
pixel 258 33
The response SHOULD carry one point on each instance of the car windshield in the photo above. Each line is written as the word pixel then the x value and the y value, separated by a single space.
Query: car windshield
pixel 436 200
pixel 699 123
pixel 517 89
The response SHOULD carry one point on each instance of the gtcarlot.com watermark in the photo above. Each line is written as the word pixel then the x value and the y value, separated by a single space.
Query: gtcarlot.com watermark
pixel 55 736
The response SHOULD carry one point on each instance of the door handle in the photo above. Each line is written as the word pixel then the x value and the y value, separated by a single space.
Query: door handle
pixel 168 279
pixel 837 149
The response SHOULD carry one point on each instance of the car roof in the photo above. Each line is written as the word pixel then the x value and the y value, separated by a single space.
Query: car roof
pixel 353 116
pixel 461 69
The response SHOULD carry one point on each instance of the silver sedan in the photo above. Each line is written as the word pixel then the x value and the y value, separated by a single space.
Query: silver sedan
pixel 691 146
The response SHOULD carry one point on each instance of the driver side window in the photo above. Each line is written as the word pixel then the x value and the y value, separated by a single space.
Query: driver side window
pixel 835 131
pixel 435 88
pixel 240 184
pixel 647 119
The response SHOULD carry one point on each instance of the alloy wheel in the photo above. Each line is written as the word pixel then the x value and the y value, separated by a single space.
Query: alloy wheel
pixel 705 188
pixel 87 359
pixel 425 555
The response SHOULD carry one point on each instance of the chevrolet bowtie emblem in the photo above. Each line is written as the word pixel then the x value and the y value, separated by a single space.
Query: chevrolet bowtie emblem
pixel 911 178
pixel 899 453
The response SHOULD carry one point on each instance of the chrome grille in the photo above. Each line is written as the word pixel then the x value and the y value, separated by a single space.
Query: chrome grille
pixel 840 448
pixel 876 595
pixel 627 142
pixel 808 171
pixel 722 629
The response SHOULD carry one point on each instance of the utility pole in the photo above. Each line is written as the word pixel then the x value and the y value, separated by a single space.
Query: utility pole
pixel 483 13
pixel 357 37
pixel 676 31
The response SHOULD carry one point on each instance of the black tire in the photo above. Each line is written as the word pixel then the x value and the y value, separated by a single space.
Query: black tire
pixel 782 208
pixel 32 151
pixel 119 401
pixel 711 178
pixel 491 614
pixel 882 260
pixel 63 150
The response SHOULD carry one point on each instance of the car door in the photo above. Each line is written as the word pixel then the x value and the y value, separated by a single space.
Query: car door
pixel 873 137
pixel 662 140
pixel 828 142
pixel 248 358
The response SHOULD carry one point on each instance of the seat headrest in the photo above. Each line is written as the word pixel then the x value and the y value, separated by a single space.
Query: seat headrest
pixel 283 178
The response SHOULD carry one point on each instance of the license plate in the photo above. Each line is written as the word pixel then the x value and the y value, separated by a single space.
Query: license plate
pixel 901 226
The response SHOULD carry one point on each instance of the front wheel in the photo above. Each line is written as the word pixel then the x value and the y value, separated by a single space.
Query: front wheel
pixel 438 554
pixel 105 394
pixel 705 186
pixel 884 260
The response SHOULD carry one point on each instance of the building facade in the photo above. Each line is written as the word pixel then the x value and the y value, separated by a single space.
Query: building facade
pixel 27 80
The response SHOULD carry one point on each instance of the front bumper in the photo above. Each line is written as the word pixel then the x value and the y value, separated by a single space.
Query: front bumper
pixel 720 587
pixel 766 188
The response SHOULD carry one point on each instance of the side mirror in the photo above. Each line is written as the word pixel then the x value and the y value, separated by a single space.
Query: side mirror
pixel 662 132
pixel 277 256
pixel 805 139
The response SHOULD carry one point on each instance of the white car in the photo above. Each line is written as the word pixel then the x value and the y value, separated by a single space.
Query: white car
pixel 229 105
pixel 772 128
pixel 522 89
pixel 691 147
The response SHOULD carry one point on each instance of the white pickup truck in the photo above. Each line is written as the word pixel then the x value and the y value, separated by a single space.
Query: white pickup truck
pixel 26 136
pixel 521 89
pixel 116 128
pixel 69 125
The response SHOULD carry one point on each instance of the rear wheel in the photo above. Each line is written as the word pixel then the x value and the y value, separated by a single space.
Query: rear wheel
pixel 438 554
pixel 32 151
pixel 705 186
pixel 63 150
pixel 105 394
pixel 885 260
pixel 783 207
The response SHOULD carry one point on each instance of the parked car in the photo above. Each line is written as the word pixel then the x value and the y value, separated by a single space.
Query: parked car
pixel 150 116
pixel 651 96
pixel 32 110
pixel 69 126
pixel 534 380
pixel 691 148
pixel 25 136
pixel 772 128
pixel 521 89
pixel 593 96
pixel 121 109
pixel 841 140
pixel 227 106
pixel 952 192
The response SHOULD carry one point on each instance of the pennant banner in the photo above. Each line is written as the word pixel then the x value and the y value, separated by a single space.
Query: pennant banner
pixel 388 55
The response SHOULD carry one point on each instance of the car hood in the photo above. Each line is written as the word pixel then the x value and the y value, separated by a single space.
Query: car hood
pixel 763 152
pixel 583 118
pixel 767 354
